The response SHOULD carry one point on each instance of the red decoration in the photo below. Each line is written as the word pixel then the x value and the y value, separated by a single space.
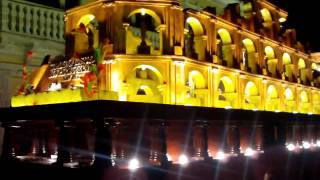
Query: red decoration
pixel 89 82
pixel 29 54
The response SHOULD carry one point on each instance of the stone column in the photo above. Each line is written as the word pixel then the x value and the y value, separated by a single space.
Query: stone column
pixel 160 29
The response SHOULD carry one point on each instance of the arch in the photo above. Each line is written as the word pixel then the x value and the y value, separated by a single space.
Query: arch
pixel 301 64
pixel 195 25
pixel 266 15
pixel 304 97
pixel 251 89
pixel 144 11
pixel 269 52
pixel 86 19
pixel 249 45
pixel 288 94
pixel 272 92
pixel 286 59
pixel 158 76
pixel 225 36
pixel 197 80
pixel 226 85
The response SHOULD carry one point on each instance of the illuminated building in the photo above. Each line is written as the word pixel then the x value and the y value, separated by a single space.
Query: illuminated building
pixel 157 52
pixel 204 60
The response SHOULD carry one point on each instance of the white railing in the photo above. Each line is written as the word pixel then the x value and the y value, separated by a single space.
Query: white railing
pixel 26 18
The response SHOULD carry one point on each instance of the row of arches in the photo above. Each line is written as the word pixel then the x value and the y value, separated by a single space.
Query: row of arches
pixel 144 37
pixel 145 83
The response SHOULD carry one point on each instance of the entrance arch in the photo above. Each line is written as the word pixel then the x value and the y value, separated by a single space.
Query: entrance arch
pixel 227 95
pixel 289 100
pixel 249 55
pixel 143 84
pixel 304 104
pixel 251 96
pixel 272 101
pixel 195 45
pixel 197 89
pixel 225 48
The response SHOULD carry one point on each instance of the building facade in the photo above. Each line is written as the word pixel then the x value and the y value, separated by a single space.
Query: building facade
pixel 240 85
pixel 242 59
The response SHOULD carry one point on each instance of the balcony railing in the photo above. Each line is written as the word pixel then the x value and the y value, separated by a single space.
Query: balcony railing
pixel 31 19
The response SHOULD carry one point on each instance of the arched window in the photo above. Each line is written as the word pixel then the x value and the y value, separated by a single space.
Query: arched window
pixel 227 96
pixel 142 36
pixel 194 42
pixel 225 48
pixel 249 55
pixel 272 62
pixel 251 96
pixel 267 18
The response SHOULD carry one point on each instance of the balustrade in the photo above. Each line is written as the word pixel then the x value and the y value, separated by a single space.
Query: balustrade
pixel 26 18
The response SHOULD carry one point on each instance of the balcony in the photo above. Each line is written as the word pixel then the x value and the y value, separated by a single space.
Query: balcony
pixel 30 19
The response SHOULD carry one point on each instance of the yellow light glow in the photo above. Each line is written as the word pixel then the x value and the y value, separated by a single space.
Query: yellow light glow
pixel 86 19
pixel 266 15
pixel 123 98
pixel 314 66
pixel 225 36
pixel 195 25
pixel 286 59
pixel 249 45
pixel 304 97
pixel 289 95
pixel 115 81
pixel 91 17
pixel 301 64
pixel 282 20
pixel 228 84
pixel 272 92
pixel 154 15
pixel 143 11
pixel 215 70
pixel 197 78
pixel 268 50
pixel 251 89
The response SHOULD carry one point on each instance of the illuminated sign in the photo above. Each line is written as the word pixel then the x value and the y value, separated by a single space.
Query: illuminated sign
pixel 71 69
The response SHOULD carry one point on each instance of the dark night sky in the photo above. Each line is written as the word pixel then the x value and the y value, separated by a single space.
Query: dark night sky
pixel 303 16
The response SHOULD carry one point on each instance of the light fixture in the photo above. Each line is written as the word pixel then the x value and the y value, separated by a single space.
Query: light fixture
pixel 143 11
pixel 318 143
pixel 183 160
pixel 290 147
pixel 169 157
pixel 282 20
pixel 133 164
pixel 249 152
pixel 228 107
pixel 306 145
pixel 178 63
pixel 264 81
pixel 215 70
pixel 220 155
